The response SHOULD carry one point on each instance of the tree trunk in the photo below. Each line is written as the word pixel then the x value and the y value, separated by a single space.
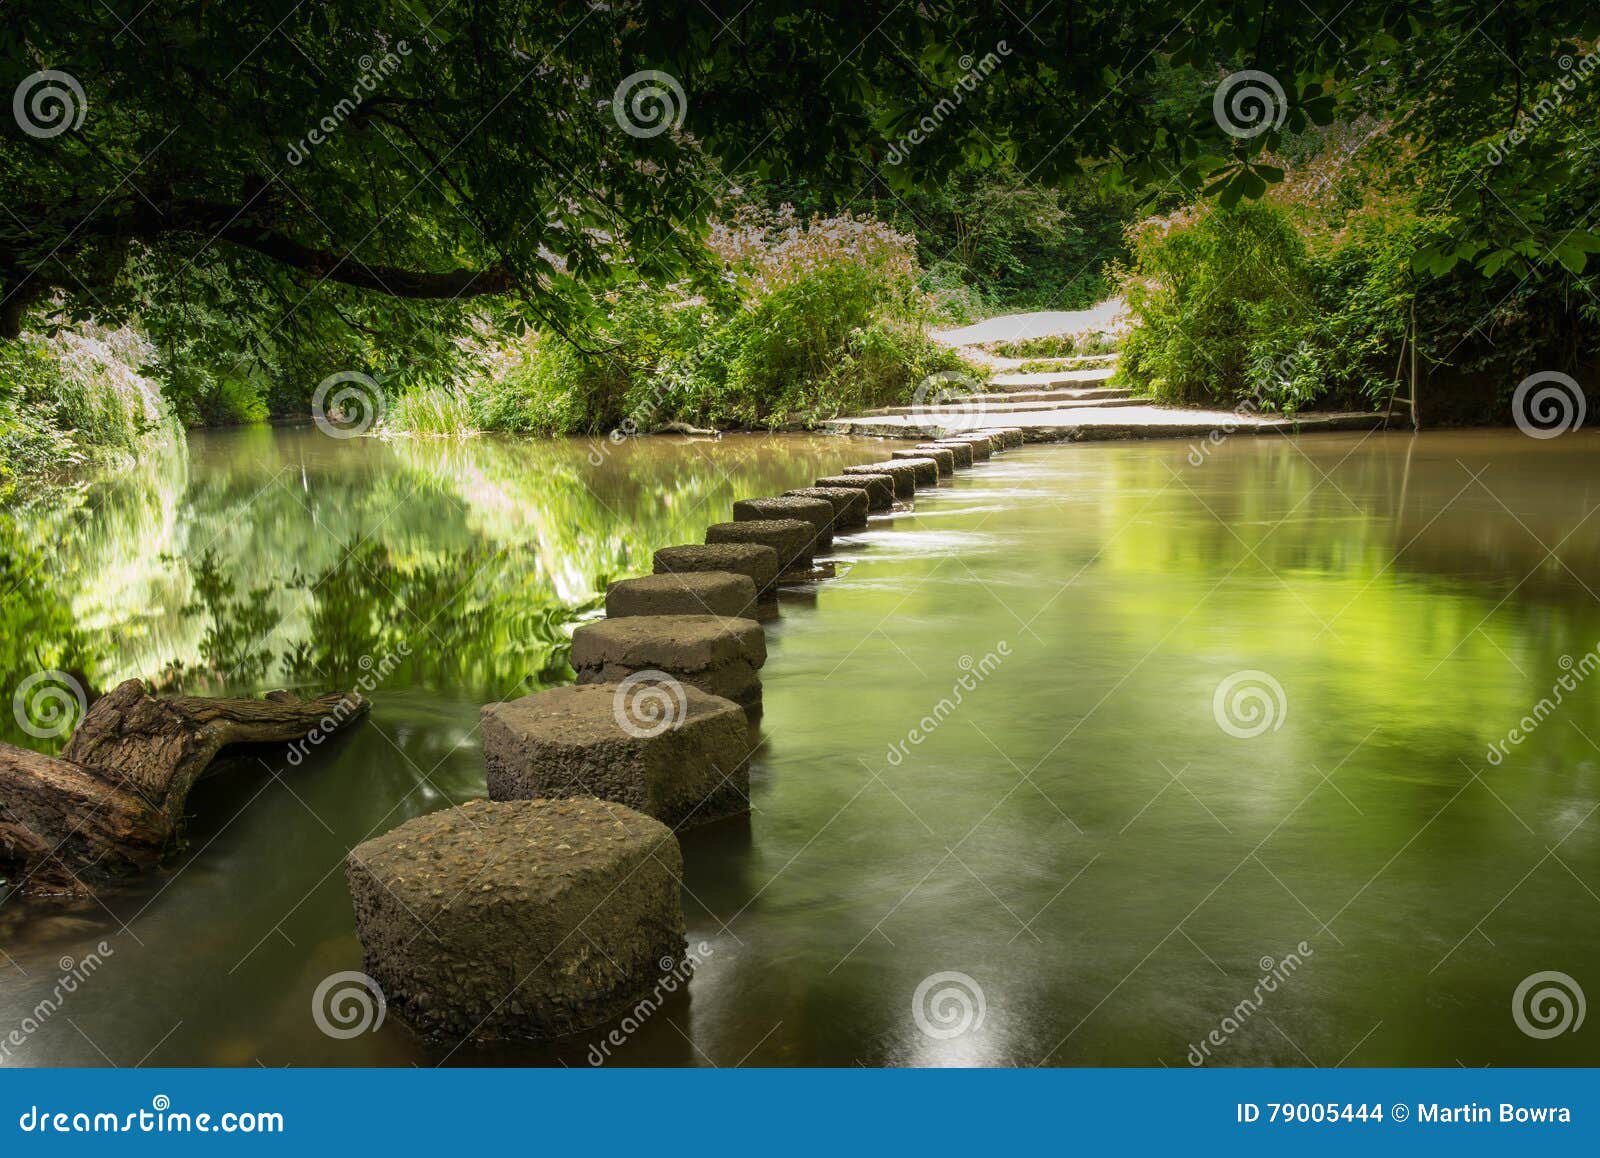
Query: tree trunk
pixel 112 805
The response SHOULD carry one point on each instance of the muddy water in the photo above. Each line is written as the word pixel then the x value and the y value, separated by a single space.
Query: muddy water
pixel 1097 756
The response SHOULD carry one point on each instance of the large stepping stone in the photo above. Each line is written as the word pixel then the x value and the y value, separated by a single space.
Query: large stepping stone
pixel 714 653
pixel 814 511
pixel 792 539
pixel 522 919
pixel 961 450
pixel 905 477
pixel 755 560
pixel 927 474
pixel 666 749
pixel 879 488
pixel 849 504
pixel 981 445
pixel 693 593
pixel 942 455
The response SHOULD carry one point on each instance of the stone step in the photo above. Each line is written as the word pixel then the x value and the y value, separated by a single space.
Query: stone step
pixel 1108 423
pixel 1048 379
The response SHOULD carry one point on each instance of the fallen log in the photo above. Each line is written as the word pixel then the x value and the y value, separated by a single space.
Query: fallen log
pixel 112 804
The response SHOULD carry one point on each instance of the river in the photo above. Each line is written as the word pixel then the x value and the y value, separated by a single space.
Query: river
pixel 1229 776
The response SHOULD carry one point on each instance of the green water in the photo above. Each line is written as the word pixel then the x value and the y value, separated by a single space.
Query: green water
pixel 1078 838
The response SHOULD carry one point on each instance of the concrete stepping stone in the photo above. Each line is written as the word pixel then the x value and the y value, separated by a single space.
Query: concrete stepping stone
pixel 942 455
pixel 961 450
pixel 905 477
pixel 715 653
pixel 692 593
pixel 849 504
pixel 515 920
pixel 927 472
pixel 879 488
pixel 756 561
pixel 1010 436
pixel 663 748
pixel 982 445
pixel 814 511
pixel 792 539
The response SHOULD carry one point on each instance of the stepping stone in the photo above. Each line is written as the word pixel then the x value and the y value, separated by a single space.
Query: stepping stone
pixel 814 511
pixel 1009 435
pixel 792 539
pixel 755 560
pixel 981 445
pixel 905 477
pixel 522 919
pixel 849 504
pixel 663 748
pixel 927 473
pixel 942 455
pixel 879 488
pixel 693 593
pixel 961 450
pixel 715 653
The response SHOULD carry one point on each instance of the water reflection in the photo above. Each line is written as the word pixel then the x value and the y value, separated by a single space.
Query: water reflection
pixel 1079 838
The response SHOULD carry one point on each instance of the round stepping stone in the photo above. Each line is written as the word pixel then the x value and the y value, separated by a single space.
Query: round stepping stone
pixel 905 477
pixel 879 488
pixel 693 593
pixel 755 560
pixel 981 445
pixel 961 450
pixel 927 474
pixel 715 653
pixel 663 748
pixel 849 504
pixel 522 919
pixel 791 538
pixel 814 511
pixel 942 455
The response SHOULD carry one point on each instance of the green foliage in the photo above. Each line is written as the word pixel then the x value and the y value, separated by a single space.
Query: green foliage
pixel 812 319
